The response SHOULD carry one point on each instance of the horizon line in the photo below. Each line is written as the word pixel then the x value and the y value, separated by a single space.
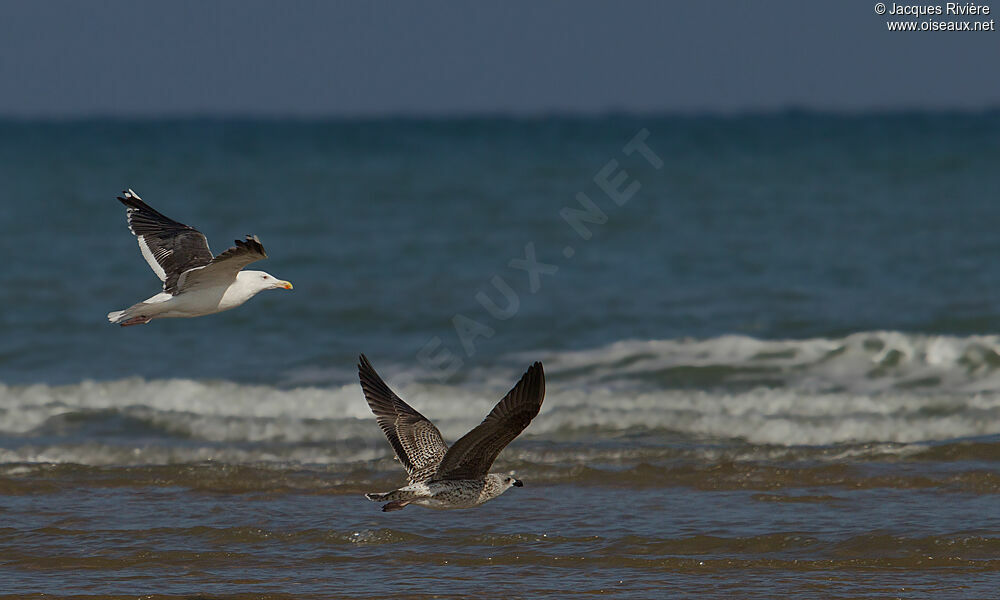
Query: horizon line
pixel 514 115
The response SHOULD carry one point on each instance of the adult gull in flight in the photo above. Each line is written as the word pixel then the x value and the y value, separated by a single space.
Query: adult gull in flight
pixel 195 282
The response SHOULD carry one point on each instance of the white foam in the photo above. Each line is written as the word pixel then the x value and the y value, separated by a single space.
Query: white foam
pixel 784 417
pixel 231 413
pixel 866 362
pixel 880 387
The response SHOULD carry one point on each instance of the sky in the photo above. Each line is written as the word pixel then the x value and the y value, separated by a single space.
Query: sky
pixel 117 58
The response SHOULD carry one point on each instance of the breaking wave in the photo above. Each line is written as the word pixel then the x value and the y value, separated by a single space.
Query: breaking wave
pixel 875 387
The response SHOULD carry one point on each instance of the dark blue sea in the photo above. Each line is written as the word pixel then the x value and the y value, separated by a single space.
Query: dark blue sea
pixel 771 341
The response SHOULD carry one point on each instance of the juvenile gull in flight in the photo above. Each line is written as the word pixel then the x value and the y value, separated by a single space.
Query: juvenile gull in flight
pixel 456 477
pixel 195 282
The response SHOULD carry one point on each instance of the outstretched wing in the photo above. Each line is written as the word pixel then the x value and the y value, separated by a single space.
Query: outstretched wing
pixel 224 267
pixel 416 441
pixel 472 456
pixel 170 248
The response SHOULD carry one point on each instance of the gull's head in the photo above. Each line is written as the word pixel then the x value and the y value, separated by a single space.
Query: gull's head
pixel 509 481
pixel 263 281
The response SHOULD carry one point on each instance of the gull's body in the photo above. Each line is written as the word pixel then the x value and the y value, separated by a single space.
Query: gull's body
pixel 195 282
pixel 457 493
pixel 201 301
pixel 456 477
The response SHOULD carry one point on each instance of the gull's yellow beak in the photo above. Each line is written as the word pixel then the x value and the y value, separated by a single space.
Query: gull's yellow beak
pixel 286 284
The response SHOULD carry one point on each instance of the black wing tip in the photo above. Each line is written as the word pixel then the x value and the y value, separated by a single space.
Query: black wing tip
pixel 131 199
pixel 252 243
pixel 368 376
pixel 374 387
pixel 533 382
pixel 536 370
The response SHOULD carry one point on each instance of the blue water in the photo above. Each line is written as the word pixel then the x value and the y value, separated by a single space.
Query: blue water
pixel 773 371
pixel 773 226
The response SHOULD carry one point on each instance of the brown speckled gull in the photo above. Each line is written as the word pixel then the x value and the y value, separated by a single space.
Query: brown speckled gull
pixel 456 477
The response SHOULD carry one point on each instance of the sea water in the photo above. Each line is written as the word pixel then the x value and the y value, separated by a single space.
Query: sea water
pixel 770 341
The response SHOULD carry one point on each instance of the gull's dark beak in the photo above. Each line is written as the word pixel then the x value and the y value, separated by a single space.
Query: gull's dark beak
pixel 518 483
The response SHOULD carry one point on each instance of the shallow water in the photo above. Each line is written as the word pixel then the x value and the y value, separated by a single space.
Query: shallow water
pixel 773 372
pixel 840 529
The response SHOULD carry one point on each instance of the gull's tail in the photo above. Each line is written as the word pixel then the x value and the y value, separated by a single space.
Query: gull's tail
pixel 137 314
pixel 398 499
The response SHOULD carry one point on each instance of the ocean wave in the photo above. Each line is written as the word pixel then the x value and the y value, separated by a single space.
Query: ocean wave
pixel 867 388
pixel 865 362
pixel 225 413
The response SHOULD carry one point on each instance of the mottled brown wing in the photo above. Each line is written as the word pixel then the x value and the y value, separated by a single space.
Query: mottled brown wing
pixel 472 456
pixel 416 441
